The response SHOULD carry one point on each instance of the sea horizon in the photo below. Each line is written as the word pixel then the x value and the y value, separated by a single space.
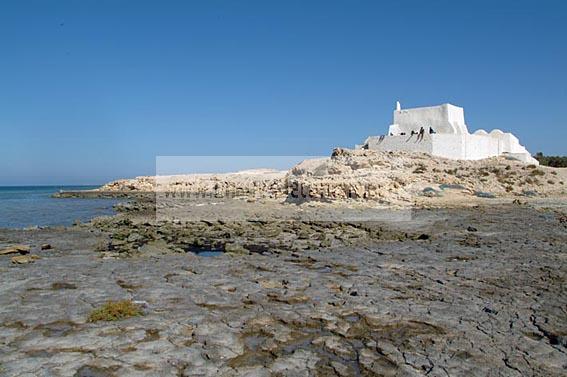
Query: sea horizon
pixel 50 185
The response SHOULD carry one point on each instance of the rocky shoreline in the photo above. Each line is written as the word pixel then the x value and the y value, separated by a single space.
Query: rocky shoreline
pixel 463 291
pixel 262 285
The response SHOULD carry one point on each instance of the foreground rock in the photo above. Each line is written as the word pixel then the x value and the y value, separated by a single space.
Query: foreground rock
pixel 15 249
pixel 24 259
pixel 451 301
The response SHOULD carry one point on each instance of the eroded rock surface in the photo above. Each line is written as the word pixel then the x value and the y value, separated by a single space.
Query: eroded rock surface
pixel 449 302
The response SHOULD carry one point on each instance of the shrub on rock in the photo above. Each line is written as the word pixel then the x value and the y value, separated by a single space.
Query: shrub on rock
pixel 115 311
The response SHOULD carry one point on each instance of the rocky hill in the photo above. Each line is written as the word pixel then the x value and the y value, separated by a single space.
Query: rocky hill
pixel 364 175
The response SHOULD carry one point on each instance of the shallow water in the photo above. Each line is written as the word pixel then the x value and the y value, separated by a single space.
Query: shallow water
pixel 205 250
pixel 210 253
pixel 24 206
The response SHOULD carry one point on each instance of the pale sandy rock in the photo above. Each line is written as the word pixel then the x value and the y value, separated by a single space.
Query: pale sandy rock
pixel 394 178
pixel 25 259
pixel 15 249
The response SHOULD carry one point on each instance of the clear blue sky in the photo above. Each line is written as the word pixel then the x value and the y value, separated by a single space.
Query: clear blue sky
pixel 95 90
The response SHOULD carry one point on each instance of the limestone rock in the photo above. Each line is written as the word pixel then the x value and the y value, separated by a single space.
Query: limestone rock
pixel 24 259
pixel 15 249
pixel 337 346
pixel 399 178
pixel 431 308
pixel 236 249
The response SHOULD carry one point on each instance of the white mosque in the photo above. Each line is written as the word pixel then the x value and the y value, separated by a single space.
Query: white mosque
pixel 441 131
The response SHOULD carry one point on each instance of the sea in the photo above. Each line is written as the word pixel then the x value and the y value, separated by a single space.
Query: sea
pixel 30 206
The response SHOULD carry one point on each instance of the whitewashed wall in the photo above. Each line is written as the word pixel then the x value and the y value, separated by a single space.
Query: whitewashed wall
pixel 460 147
pixel 446 119
pixel 457 147
pixel 400 143
pixel 451 138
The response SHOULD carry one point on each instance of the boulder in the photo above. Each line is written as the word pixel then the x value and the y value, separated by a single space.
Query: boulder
pixel 16 249
pixel 24 259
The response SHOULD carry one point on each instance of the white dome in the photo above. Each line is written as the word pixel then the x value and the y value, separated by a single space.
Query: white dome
pixel 496 131
pixel 480 132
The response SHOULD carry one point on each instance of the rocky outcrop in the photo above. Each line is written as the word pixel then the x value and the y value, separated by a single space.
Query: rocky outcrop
pixel 365 175
pixel 402 177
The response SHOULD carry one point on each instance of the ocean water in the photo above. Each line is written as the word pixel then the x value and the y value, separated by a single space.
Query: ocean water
pixel 25 206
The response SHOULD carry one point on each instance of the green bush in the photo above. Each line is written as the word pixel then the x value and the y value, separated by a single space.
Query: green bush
pixel 553 161
pixel 115 310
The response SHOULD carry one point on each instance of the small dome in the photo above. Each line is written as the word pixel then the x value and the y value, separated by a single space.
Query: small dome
pixel 480 132
pixel 496 131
